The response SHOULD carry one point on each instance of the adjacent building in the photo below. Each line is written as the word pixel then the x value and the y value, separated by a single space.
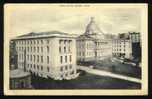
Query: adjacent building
pixel 93 45
pixel 47 54
pixel 122 48
pixel 18 78
pixel 127 45
pixel 12 56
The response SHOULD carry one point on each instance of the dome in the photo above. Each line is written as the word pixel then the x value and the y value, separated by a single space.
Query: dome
pixel 92 28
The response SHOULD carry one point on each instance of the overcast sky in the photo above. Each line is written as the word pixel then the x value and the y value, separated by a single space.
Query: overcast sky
pixel 23 20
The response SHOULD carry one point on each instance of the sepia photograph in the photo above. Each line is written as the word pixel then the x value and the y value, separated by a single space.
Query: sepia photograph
pixel 75 49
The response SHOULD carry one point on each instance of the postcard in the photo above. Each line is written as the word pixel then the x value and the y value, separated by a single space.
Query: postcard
pixel 75 49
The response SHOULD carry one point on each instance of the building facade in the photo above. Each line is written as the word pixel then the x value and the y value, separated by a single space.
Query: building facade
pixel 12 56
pixel 135 37
pixel 127 45
pixel 48 54
pixel 122 48
pixel 18 78
pixel 93 45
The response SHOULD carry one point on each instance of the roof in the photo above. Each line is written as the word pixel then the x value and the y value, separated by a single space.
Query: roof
pixel 92 28
pixel 18 73
pixel 45 34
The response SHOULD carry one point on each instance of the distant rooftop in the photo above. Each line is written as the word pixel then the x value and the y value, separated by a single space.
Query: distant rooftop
pixel 17 73
pixel 45 34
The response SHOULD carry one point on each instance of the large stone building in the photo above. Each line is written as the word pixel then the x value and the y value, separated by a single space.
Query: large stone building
pixel 93 45
pixel 48 54
pixel 122 48
pixel 127 45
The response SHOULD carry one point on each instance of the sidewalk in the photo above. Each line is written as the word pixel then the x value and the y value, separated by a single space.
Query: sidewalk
pixel 110 74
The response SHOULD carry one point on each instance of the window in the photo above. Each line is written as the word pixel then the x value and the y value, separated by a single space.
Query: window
pixel 69 49
pixel 28 49
pixel 37 58
pixel 34 66
pixel 37 67
pixel 31 65
pixel 41 58
pixel 47 48
pixel 31 57
pixel 60 41
pixel 61 69
pixel 61 60
pixel 34 58
pixel 60 49
pixel 70 66
pixel 41 49
pixel 70 58
pixel 27 57
pixel 48 69
pixel 41 41
pixel 83 53
pixel 65 58
pixel 41 67
pixel 37 41
pixel 34 49
pixel 37 49
pixel 28 65
pixel 31 49
pixel 64 49
pixel 47 41
pixel 47 59
pixel 66 74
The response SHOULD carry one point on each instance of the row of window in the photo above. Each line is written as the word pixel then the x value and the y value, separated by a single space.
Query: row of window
pixel 120 41
pixel 87 53
pixel 115 46
pixel 65 42
pixel 35 58
pixel 32 41
pixel 67 67
pixel 33 49
pixel 119 50
pixel 38 67
pixel 65 59
pixel 65 49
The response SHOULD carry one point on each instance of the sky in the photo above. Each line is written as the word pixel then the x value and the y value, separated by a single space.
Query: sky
pixel 22 19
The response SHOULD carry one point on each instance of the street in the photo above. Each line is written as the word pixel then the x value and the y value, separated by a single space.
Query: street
pixel 109 74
